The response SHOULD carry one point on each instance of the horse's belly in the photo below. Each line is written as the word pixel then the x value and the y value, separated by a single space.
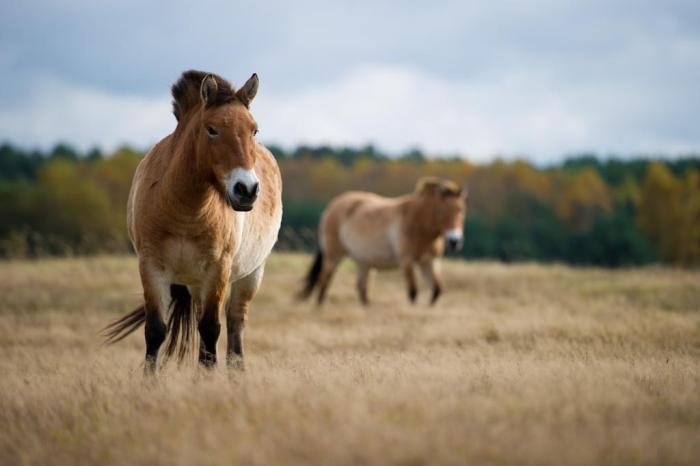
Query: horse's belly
pixel 249 258
pixel 372 248
pixel 255 245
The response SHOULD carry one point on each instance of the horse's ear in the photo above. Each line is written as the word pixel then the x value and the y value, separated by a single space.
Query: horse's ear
pixel 428 185
pixel 246 94
pixel 208 89
pixel 449 188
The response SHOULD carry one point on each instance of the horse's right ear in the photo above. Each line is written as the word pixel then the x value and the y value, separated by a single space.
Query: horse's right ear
pixel 208 89
pixel 428 185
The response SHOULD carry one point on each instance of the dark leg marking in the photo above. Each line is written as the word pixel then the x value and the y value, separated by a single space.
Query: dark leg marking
pixel 209 330
pixel 437 291
pixel 412 293
pixel 155 332
pixel 234 358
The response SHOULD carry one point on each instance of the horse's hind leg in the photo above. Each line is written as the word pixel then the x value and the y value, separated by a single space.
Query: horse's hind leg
pixel 156 292
pixel 242 293
pixel 362 278
pixel 329 265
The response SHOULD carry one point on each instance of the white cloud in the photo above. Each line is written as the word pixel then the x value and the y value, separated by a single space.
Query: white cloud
pixel 56 111
pixel 532 78
pixel 519 114
pixel 397 108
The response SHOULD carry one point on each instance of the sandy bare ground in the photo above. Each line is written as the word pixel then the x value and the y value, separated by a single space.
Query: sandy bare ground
pixel 521 364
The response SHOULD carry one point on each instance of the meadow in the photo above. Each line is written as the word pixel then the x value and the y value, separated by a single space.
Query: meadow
pixel 517 364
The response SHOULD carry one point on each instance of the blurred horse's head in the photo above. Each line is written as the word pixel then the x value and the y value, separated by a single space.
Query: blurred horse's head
pixel 444 203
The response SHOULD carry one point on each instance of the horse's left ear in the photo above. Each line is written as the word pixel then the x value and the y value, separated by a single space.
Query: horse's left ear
pixel 246 94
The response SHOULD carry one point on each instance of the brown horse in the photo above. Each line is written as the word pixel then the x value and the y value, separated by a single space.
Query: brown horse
pixel 203 213
pixel 379 232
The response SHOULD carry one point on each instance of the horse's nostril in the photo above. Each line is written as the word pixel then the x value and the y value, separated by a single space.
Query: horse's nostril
pixel 240 189
pixel 244 192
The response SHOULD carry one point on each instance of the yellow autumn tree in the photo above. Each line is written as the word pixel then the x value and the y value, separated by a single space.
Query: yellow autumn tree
pixel 580 198
pixel 659 214
pixel 689 217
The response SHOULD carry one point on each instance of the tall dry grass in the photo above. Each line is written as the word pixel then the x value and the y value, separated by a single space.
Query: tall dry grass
pixel 521 364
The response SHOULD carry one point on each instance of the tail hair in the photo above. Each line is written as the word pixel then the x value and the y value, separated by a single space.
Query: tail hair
pixel 181 325
pixel 124 326
pixel 312 276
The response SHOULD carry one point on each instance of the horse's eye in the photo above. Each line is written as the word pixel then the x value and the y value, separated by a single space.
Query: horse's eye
pixel 255 132
pixel 212 132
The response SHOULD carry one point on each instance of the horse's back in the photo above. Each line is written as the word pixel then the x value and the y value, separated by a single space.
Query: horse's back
pixel 365 226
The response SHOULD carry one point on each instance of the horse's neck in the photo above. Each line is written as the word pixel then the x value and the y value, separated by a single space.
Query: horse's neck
pixel 188 188
pixel 416 210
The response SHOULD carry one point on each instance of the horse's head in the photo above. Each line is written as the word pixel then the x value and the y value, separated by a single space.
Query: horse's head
pixel 446 202
pixel 223 130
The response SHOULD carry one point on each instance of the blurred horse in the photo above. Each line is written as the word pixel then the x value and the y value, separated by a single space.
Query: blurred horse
pixel 379 232
pixel 203 213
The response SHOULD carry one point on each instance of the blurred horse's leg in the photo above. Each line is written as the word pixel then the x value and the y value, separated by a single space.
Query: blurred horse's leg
pixel 428 269
pixel 327 272
pixel 362 278
pixel 410 276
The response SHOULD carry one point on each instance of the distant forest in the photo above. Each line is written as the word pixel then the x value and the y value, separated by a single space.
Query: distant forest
pixel 608 211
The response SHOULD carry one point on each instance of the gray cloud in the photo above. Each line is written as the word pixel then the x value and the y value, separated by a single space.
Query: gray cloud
pixel 538 78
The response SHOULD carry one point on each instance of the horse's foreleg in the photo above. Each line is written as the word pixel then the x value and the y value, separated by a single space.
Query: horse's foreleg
pixel 362 278
pixel 156 293
pixel 210 323
pixel 431 276
pixel 242 293
pixel 409 274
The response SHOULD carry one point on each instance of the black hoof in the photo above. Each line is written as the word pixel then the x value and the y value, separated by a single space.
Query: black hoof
pixel 207 359
pixel 236 363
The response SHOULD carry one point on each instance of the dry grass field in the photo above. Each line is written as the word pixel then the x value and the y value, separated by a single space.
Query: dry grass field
pixel 518 364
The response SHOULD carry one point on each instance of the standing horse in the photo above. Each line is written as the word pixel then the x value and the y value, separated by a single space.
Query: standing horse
pixel 203 214
pixel 379 232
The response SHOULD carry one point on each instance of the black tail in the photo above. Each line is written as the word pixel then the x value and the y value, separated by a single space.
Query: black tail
pixel 181 324
pixel 124 326
pixel 312 277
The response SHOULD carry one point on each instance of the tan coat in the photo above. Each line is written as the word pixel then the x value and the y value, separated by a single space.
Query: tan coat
pixel 203 214
pixel 379 232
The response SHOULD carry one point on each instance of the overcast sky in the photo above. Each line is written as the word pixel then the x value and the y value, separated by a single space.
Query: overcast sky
pixel 522 78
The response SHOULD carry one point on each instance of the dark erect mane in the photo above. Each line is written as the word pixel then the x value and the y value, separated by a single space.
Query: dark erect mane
pixel 186 92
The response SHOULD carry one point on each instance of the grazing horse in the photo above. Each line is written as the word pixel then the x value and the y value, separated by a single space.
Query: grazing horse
pixel 203 214
pixel 379 232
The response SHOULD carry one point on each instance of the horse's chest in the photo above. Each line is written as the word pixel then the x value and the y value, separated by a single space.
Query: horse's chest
pixel 187 261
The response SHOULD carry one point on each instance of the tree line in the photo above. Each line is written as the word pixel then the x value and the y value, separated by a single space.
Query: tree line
pixel 585 210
